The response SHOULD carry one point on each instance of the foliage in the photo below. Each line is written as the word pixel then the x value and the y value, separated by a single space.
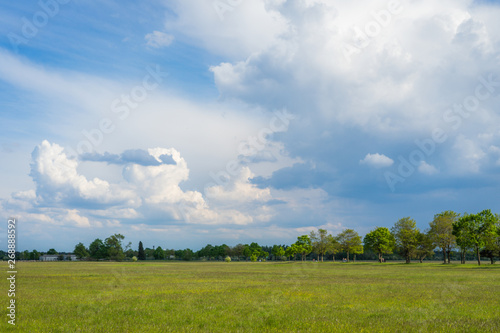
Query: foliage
pixel 51 251
pixel 134 258
pixel 406 233
pixel 441 232
pixel 159 254
pixel 114 248
pixel 97 249
pixel 474 230
pixel 321 242
pixel 227 259
pixel 303 245
pixel 141 255
pixel 350 242
pixel 425 246
pixel 81 251
pixel 380 241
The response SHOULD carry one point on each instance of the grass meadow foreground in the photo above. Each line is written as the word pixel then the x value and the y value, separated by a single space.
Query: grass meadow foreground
pixel 255 297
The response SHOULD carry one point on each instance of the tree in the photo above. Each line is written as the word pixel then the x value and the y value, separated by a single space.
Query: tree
pixel 304 245
pixel 334 246
pixel 441 232
pixel 350 242
pixel 278 252
pixel 381 241
pixel 141 255
pixel 292 251
pixel 34 255
pixel 425 246
pixel 114 248
pixel 159 254
pixel 51 251
pixel 321 242
pixel 475 230
pixel 405 232
pixel 81 251
pixel 97 249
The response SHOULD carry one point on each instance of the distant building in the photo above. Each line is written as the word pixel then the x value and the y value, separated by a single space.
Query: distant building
pixel 58 257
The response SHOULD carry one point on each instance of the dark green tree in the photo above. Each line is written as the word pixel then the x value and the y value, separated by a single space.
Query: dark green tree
pixel 114 247
pixel 97 250
pixel 51 251
pixel 159 254
pixel 350 242
pixel 141 255
pixel 81 251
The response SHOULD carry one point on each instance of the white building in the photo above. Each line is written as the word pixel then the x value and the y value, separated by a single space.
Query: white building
pixel 56 257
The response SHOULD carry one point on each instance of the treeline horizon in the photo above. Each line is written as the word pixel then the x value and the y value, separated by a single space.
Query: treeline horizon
pixel 449 235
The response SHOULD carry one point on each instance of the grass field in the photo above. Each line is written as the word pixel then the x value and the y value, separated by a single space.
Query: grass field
pixel 255 297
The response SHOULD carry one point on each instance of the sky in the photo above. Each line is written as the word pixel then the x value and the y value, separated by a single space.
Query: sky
pixel 185 123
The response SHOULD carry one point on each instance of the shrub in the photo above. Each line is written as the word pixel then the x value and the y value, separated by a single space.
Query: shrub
pixel 134 258
pixel 253 257
pixel 228 259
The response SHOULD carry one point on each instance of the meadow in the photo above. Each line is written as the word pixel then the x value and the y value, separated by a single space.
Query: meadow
pixel 255 297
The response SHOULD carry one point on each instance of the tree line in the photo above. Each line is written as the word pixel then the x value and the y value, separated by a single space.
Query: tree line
pixel 447 232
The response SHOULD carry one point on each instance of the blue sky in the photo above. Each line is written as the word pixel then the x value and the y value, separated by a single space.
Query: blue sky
pixel 183 124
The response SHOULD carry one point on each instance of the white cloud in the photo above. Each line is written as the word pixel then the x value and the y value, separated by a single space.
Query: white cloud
pixel 427 169
pixel 377 160
pixel 158 39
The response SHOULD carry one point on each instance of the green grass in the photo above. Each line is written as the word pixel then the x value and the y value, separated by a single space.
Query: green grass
pixel 255 297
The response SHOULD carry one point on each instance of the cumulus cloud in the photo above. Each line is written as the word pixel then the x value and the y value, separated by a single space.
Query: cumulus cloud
pixel 150 190
pixel 427 169
pixel 134 156
pixel 377 160
pixel 158 39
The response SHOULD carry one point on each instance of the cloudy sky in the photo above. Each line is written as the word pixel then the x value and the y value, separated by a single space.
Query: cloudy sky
pixel 182 123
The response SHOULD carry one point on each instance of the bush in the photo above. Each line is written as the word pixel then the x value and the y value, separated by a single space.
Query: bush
pixel 228 259
pixel 134 258
pixel 253 257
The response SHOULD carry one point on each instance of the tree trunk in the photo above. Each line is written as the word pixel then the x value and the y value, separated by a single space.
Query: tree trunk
pixel 478 256
pixel 448 252
pixel 421 259
pixel 444 255
pixel 322 256
pixel 380 257
pixel 492 260
pixel 347 256
pixel 354 257
pixel 408 259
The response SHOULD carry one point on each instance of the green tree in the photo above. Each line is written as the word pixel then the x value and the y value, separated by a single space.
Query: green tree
pixel 335 246
pixel 321 242
pixel 304 245
pixel 81 251
pixel 405 232
pixel 278 252
pixel 350 242
pixel 51 251
pixel 97 249
pixel 159 254
pixel 114 248
pixel 475 230
pixel 441 232
pixel 425 246
pixel 34 255
pixel 292 251
pixel 381 241
pixel 25 255
pixel 141 255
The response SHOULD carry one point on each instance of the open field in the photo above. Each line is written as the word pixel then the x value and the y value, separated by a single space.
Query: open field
pixel 255 297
